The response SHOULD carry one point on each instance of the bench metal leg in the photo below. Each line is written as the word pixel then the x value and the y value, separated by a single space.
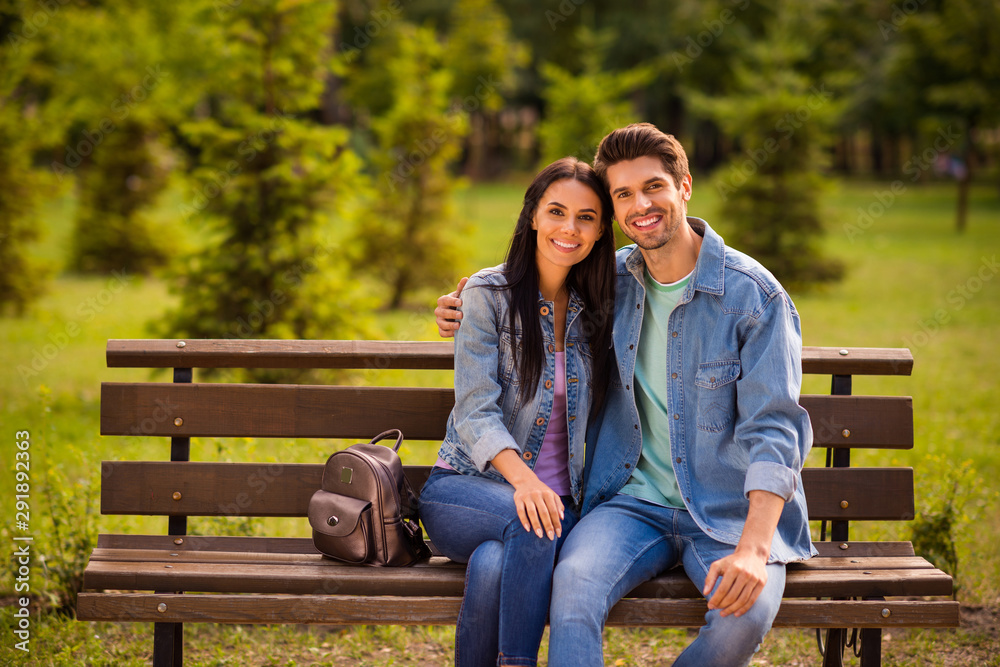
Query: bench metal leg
pixel 871 647
pixel 168 644
pixel 836 638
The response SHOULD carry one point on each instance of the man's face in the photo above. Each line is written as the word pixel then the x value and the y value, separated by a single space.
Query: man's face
pixel 649 206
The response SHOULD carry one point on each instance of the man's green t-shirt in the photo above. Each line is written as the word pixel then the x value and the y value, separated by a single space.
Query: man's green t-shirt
pixel 653 478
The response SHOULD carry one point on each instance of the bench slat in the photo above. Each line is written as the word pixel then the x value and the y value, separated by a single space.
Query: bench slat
pixel 305 411
pixel 358 610
pixel 164 488
pixel 272 411
pixel 313 575
pixel 304 545
pixel 223 353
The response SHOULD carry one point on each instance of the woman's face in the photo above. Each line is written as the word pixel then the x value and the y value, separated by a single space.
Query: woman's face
pixel 568 224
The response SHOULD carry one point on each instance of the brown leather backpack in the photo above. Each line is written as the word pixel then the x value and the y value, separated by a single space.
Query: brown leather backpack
pixel 366 512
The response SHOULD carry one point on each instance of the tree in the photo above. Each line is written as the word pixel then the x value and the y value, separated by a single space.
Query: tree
pixel 22 280
pixel 770 190
pixel 267 179
pixel 952 52
pixel 408 237
pixel 581 108
pixel 114 89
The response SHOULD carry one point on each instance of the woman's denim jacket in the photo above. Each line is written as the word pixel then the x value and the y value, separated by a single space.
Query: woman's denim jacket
pixel 734 374
pixel 489 415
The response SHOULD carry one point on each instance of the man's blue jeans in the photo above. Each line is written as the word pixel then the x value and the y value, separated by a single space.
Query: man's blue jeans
pixel 508 580
pixel 625 542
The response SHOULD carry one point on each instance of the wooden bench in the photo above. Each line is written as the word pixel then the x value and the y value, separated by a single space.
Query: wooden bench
pixel 177 578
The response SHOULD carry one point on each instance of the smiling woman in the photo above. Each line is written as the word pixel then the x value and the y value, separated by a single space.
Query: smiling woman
pixel 532 357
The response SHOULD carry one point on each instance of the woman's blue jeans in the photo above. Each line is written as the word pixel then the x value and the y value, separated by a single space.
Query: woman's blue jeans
pixel 508 581
pixel 627 541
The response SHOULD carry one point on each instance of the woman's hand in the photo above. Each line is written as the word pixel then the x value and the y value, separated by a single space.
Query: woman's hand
pixel 447 315
pixel 539 507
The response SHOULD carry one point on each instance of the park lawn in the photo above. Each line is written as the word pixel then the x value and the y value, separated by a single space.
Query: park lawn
pixel 911 281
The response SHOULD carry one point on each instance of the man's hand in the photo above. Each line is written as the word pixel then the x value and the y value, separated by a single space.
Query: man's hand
pixel 446 314
pixel 743 577
pixel 744 572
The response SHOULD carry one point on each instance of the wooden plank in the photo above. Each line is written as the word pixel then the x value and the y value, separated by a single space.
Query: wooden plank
pixel 304 411
pixel 855 549
pixel 305 574
pixel 859 493
pixel 857 361
pixel 884 422
pixel 796 614
pixel 347 610
pixel 223 353
pixel 304 545
pixel 193 488
pixel 164 488
pixel 272 411
pixel 217 557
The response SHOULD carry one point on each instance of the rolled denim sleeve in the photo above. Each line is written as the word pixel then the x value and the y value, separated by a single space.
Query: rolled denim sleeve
pixel 773 427
pixel 478 418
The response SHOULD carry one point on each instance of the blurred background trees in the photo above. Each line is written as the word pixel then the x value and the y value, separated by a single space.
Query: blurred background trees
pixel 264 154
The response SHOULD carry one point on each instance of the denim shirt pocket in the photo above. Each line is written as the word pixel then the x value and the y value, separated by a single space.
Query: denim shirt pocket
pixel 716 405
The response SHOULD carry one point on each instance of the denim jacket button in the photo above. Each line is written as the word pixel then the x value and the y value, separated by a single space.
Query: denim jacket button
pixel 551 348
pixel 540 421
pixel 544 310
pixel 527 456
pixel 676 416
pixel 674 334
pixel 548 384
pixel 673 375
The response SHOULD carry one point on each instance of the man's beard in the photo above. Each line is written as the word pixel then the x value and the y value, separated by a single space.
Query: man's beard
pixel 664 235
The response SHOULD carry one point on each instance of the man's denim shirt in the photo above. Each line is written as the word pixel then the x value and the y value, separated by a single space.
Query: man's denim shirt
pixel 734 371
pixel 489 415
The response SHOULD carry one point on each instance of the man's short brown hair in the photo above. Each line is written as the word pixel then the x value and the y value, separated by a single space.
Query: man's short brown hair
pixel 641 140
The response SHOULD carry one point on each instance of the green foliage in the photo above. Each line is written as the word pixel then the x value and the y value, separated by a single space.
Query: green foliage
pixel 22 279
pixel 481 54
pixel 117 192
pixel 581 108
pixel 272 187
pixel 944 515
pixel 407 239
pixel 771 189
pixel 114 89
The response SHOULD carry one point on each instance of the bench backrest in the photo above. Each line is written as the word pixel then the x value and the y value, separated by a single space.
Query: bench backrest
pixel 183 409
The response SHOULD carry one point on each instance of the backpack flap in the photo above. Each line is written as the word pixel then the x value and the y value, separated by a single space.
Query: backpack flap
pixel 335 515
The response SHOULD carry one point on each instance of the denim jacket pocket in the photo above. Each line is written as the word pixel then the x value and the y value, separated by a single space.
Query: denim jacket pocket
pixel 716 382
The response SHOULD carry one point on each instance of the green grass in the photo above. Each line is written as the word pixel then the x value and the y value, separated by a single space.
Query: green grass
pixel 903 288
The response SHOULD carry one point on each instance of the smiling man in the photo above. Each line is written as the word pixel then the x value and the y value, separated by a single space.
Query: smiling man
pixel 696 457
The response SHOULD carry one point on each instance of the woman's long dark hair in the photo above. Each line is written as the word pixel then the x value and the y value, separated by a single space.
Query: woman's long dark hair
pixel 593 279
